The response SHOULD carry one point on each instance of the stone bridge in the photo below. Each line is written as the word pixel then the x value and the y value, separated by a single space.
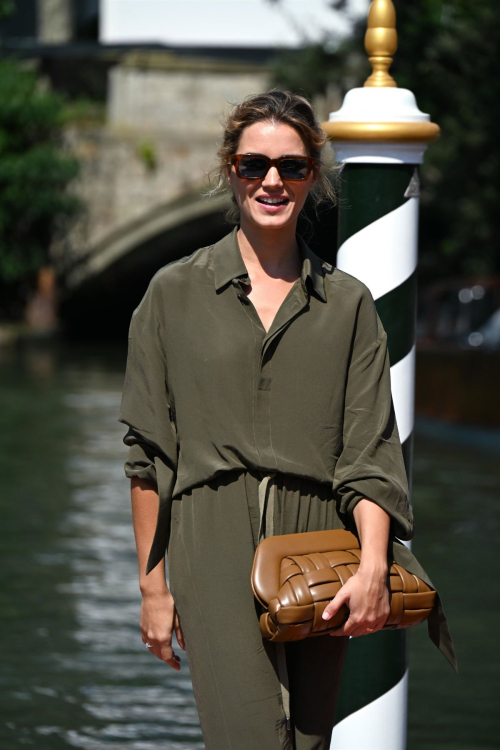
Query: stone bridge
pixel 143 177
pixel 144 173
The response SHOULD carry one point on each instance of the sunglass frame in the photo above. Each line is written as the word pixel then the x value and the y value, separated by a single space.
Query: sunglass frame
pixel 235 161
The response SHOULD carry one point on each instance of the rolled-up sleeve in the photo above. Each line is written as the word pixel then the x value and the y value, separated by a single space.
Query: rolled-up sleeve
pixel 148 411
pixel 371 463
pixel 140 461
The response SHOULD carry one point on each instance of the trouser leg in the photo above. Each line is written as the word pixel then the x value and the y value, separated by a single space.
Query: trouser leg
pixel 314 673
pixel 313 665
pixel 233 670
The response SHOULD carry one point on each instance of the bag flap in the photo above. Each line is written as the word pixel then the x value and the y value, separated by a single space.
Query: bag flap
pixel 265 578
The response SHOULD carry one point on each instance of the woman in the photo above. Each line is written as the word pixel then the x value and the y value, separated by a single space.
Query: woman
pixel 257 372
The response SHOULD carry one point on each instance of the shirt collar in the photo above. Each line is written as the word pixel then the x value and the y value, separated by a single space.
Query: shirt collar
pixel 229 263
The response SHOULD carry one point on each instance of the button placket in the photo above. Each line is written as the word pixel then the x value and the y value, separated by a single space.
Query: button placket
pixel 284 317
pixel 289 310
pixel 245 300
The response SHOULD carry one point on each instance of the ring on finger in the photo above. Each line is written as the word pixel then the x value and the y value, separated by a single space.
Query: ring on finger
pixel 148 645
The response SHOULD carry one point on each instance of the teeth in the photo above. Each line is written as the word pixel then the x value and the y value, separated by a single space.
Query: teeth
pixel 272 200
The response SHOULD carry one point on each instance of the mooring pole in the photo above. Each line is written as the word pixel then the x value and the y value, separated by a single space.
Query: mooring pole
pixel 380 136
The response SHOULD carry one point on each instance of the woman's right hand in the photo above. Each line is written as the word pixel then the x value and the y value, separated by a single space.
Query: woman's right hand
pixel 159 618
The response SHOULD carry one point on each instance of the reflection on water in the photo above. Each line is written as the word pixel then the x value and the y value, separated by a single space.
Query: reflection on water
pixel 76 673
pixel 74 670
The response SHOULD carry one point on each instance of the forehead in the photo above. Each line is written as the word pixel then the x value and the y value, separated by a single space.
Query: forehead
pixel 272 139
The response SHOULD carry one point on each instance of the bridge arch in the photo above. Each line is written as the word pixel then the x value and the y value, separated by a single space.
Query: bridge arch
pixel 102 290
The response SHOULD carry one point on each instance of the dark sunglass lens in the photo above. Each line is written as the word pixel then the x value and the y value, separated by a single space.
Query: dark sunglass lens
pixel 252 166
pixel 294 169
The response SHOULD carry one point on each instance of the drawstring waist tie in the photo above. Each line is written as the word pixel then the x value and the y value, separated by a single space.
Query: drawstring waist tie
pixel 267 497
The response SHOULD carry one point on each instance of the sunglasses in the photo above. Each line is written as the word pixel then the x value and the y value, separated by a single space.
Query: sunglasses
pixel 256 166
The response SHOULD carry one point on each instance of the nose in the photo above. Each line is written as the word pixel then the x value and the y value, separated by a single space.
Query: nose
pixel 272 178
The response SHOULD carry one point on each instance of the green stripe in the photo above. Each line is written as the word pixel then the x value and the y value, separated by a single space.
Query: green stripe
pixel 398 312
pixel 368 192
pixel 374 664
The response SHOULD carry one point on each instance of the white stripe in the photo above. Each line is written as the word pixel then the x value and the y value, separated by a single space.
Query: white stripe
pixel 383 254
pixel 403 396
pixel 403 393
pixel 381 725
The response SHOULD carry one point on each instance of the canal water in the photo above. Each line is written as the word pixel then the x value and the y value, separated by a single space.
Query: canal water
pixel 74 671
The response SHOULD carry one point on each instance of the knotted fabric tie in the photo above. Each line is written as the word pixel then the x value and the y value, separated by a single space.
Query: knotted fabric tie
pixel 267 491
pixel 267 497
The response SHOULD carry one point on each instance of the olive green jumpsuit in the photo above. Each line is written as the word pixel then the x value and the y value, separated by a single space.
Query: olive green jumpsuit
pixel 248 433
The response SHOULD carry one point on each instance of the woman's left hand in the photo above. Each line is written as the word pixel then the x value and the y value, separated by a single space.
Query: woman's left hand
pixel 366 595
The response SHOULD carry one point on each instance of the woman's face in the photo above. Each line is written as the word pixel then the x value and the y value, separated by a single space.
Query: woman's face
pixel 273 140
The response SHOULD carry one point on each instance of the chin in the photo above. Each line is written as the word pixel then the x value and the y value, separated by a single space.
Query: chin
pixel 273 222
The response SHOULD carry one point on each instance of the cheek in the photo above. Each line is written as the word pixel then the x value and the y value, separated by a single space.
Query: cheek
pixel 301 192
pixel 242 192
pixel 236 190
pixel 237 187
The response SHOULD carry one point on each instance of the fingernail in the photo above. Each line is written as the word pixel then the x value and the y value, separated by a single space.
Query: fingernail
pixel 326 615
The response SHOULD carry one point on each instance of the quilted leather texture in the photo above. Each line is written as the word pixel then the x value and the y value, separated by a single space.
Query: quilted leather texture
pixel 308 582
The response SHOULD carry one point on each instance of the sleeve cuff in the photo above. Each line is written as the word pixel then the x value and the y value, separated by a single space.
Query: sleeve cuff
pixel 394 504
pixel 140 463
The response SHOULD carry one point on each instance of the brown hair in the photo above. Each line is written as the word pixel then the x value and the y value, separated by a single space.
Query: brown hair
pixel 278 107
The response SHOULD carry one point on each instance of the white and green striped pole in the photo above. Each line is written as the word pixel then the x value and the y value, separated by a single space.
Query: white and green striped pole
pixel 380 136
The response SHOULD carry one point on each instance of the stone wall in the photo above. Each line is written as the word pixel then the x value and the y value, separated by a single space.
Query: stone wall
pixel 157 145
pixel 163 93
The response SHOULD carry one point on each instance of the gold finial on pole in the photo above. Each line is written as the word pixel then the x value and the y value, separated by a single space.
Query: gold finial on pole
pixel 381 42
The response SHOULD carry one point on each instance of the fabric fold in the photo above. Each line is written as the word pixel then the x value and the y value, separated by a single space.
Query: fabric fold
pixel 371 463
pixel 147 409
pixel 437 624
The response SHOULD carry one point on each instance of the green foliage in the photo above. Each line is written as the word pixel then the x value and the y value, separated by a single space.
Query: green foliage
pixel 146 152
pixel 448 56
pixel 34 172
pixel 7 8
pixel 83 112
pixel 308 72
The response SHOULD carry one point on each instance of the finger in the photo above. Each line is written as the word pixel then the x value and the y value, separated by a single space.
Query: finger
pixel 163 652
pixel 173 662
pixel 148 642
pixel 363 630
pixel 170 657
pixel 346 628
pixel 155 649
pixel 333 607
pixel 178 632
pixel 367 628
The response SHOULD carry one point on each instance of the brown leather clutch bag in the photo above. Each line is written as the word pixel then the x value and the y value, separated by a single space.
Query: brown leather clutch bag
pixel 294 577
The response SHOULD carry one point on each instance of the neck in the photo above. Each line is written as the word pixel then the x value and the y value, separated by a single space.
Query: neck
pixel 274 251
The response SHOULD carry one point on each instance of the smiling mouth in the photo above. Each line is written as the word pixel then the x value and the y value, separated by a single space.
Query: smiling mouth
pixel 273 201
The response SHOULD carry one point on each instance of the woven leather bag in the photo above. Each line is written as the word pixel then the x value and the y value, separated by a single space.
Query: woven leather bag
pixel 295 576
